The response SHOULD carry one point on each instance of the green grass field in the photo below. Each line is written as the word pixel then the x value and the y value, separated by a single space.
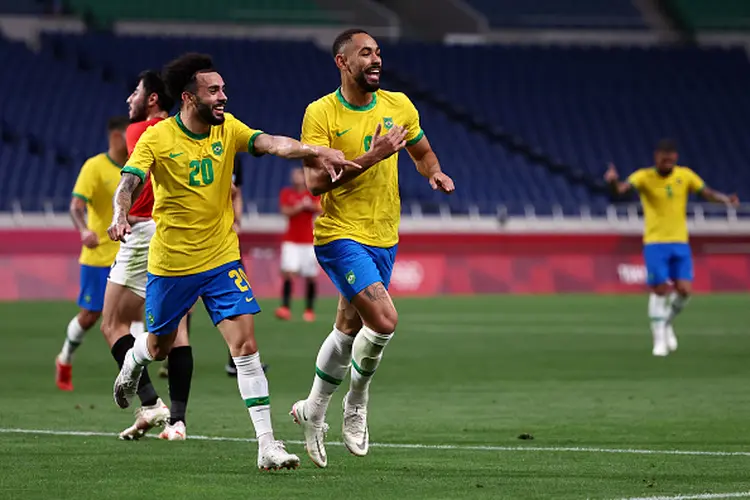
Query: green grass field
pixel 464 378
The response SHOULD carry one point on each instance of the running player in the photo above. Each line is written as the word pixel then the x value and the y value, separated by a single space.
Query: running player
pixel 297 252
pixel 194 252
pixel 92 200
pixel 126 290
pixel 664 191
pixel 357 233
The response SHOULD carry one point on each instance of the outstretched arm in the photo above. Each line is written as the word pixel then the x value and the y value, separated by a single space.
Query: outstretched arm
pixel 714 196
pixel 428 165
pixel 122 202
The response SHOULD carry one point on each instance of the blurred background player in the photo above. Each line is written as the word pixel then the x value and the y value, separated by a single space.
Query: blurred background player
pixel 126 291
pixel 664 190
pixel 297 251
pixel 91 211
pixel 356 236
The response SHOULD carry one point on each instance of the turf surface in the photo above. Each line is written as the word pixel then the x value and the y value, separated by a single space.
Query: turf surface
pixel 571 371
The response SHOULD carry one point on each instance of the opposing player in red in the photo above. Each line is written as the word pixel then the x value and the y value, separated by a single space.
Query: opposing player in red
pixel 126 290
pixel 297 251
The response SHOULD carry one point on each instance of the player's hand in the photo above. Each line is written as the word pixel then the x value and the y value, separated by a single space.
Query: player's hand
pixel 734 200
pixel 118 230
pixel 611 174
pixel 236 226
pixel 89 239
pixel 390 143
pixel 333 161
pixel 440 181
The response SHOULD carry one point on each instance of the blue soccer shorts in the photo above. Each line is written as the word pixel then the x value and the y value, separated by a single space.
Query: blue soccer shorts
pixel 93 284
pixel 353 266
pixel 668 261
pixel 225 292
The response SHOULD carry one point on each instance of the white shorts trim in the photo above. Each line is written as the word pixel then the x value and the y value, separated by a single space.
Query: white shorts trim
pixel 131 264
pixel 299 258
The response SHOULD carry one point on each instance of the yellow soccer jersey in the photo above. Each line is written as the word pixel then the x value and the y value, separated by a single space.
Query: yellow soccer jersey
pixel 368 208
pixel 664 202
pixel 192 180
pixel 96 185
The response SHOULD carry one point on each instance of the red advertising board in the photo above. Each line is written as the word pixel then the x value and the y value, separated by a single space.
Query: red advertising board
pixel 42 264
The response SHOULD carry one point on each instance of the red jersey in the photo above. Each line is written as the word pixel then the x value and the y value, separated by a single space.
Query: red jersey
pixel 144 204
pixel 300 229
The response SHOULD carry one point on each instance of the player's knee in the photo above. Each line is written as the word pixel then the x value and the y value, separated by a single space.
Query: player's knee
pixel 661 289
pixel 684 288
pixel 385 322
pixel 88 319
pixel 243 347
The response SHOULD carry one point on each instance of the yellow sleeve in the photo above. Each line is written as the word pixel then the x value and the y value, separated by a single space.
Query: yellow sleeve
pixel 414 132
pixel 143 157
pixel 86 182
pixel 244 138
pixel 637 179
pixel 314 131
pixel 695 183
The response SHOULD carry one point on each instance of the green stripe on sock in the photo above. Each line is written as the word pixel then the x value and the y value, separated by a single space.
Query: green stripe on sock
pixel 361 371
pixel 324 376
pixel 264 401
pixel 657 318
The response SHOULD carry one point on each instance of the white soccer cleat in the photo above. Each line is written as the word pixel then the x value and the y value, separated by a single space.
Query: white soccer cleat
pixel 146 418
pixel 354 430
pixel 660 349
pixel 671 337
pixel 274 457
pixel 126 386
pixel 314 434
pixel 174 432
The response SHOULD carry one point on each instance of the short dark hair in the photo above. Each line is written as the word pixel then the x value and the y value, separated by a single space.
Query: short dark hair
pixel 666 146
pixel 344 38
pixel 179 74
pixel 118 123
pixel 153 84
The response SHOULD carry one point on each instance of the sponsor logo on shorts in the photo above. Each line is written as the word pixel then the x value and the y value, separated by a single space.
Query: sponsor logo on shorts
pixel 87 298
pixel 351 277
pixel 249 299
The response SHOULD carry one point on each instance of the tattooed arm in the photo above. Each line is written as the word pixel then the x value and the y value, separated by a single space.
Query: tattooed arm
pixel 122 201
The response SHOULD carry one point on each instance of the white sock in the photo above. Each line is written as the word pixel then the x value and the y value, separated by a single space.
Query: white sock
pixel 367 351
pixel 677 304
pixel 73 340
pixel 137 357
pixel 333 360
pixel 254 390
pixel 658 311
pixel 137 328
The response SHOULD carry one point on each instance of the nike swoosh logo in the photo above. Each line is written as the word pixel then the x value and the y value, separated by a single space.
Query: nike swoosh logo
pixel 339 134
pixel 364 440
pixel 249 299
pixel 174 155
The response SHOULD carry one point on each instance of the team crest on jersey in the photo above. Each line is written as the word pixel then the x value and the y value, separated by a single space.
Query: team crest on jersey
pixel 218 148
pixel 678 181
pixel 388 122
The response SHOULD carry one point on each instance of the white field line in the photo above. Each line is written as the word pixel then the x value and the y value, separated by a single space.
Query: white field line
pixel 415 446
pixel 700 496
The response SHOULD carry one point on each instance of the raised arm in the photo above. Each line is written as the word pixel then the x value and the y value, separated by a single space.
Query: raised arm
pixel 428 165
pixel 122 201
pixel 613 179
pixel 714 196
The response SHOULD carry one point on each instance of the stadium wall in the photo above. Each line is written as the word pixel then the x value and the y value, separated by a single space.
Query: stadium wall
pixel 42 263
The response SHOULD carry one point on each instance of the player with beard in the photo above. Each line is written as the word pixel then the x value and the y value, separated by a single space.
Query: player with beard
pixel 195 251
pixel 357 234
pixel 664 190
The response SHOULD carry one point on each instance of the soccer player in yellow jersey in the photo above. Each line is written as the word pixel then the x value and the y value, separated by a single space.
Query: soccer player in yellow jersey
pixel 92 200
pixel 357 233
pixel 664 190
pixel 195 251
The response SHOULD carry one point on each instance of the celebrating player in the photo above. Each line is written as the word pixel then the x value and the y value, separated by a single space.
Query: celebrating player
pixel 92 197
pixel 664 191
pixel 297 252
pixel 357 233
pixel 195 252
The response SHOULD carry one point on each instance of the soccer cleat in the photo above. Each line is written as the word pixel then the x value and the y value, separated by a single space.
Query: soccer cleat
pixel 174 432
pixel 661 349
pixel 63 375
pixel 309 315
pixel 164 369
pixel 274 456
pixel 284 313
pixel 314 434
pixel 125 388
pixel 671 337
pixel 354 430
pixel 146 418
